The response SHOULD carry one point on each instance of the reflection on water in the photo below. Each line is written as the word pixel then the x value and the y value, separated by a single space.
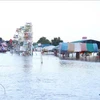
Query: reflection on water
pixel 27 63
pixel 25 78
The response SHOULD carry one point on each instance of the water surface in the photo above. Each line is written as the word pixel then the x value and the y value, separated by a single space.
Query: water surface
pixel 25 78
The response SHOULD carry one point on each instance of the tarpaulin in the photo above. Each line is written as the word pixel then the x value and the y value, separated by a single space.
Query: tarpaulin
pixel 95 47
pixel 70 47
pixel 90 47
pixel 83 47
pixel 64 46
pixel 77 47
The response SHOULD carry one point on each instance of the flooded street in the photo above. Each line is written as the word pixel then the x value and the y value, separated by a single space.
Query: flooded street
pixel 25 78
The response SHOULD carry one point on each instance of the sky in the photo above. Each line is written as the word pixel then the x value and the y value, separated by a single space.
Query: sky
pixel 69 20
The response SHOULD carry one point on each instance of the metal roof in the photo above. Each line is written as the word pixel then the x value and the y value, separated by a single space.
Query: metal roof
pixel 86 41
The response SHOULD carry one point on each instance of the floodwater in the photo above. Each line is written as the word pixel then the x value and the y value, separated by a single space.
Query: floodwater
pixel 25 78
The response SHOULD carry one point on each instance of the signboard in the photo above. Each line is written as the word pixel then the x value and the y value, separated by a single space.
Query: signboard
pixel 84 37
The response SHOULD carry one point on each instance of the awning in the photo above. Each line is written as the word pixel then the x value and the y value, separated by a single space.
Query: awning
pixel 71 47
pixel 90 47
pixel 95 47
pixel 77 47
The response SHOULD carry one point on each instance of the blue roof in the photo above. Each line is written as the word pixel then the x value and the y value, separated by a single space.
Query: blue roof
pixel 44 45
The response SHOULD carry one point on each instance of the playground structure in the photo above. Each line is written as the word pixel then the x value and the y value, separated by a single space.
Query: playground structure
pixel 23 40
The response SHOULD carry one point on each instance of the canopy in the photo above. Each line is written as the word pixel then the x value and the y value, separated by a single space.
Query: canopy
pixel 77 47
pixel 48 48
pixel 95 47
pixel 71 47
pixel 63 47
pixel 90 47
pixel 83 47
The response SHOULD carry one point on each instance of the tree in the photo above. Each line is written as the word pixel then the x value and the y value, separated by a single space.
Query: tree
pixel 56 41
pixel 43 40
pixel 0 39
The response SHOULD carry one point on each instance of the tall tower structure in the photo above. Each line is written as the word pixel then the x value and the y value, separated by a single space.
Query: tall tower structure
pixel 25 39
pixel 28 39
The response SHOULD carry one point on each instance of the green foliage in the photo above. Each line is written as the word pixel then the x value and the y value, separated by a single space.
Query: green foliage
pixel 0 39
pixel 56 41
pixel 43 40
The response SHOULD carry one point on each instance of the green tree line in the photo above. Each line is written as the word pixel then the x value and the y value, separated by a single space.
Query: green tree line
pixel 44 40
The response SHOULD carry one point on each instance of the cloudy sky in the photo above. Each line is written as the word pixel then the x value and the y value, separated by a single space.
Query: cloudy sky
pixel 70 20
